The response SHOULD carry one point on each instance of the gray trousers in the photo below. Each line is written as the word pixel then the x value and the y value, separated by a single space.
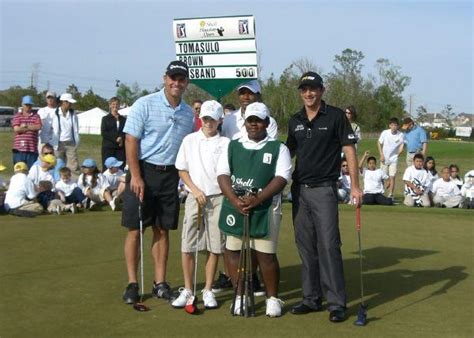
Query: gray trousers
pixel 67 151
pixel 316 223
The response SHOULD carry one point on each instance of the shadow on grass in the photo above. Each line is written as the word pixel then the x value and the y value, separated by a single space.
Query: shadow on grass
pixel 380 287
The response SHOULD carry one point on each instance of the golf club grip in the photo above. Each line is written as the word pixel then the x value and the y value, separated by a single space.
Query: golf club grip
pixel 358 218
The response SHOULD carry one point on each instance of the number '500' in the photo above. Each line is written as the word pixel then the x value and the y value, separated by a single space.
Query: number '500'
pixel 244 72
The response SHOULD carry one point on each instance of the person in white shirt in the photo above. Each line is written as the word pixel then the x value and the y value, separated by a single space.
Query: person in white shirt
pixel 42 171
pixel 65 132
pixel 344 183
pixel 454 173
pixel 254 162
pixel 373 182
pixel 416 184
pixel 446 193
pixel 233 125
pixel 467 190
pixel 197 164
pixel 46 114
pixel 115 176
pixel 390 145
pixel 19 199
pixel 94 185
pixel 69 191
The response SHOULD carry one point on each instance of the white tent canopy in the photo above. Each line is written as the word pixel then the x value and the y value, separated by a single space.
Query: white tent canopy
pixel 124 111
pixel 90 121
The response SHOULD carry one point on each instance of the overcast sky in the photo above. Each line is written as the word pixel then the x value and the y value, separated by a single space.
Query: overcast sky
pixel 93 43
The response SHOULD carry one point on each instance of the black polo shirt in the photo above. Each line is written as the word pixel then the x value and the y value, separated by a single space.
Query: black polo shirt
pixel 317 144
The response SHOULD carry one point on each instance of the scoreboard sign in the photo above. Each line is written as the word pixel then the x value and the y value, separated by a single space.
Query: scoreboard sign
pixel 221 52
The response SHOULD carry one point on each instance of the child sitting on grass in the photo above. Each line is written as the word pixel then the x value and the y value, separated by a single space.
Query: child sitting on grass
pixel 115 177
pixel 49 199
pixel 94 185
pixel 68 190
pixel 373 182
pixel 42 171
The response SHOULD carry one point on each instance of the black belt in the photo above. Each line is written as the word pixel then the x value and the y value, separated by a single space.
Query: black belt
pixel 320 184
pixel 159 167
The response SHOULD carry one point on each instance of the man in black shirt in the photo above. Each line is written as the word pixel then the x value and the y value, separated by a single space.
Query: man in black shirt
pixel 316 135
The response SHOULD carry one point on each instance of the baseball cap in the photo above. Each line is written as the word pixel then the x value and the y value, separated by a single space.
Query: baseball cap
pixel 48 158
pixel 212 109
pixel 89 163
pixel 27 100
pixel 49 94
pixel 67 97
pixel 253 86
pixel 177 67
pixel 20 166
pixel 257 109
pixel 311 79
pixel 112 162
pixel 2 167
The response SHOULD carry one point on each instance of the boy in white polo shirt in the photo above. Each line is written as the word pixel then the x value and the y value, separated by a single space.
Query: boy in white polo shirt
pixel 417 184
pixel 446 193
pixel 390 145
pixel 373 182
pixel 197 162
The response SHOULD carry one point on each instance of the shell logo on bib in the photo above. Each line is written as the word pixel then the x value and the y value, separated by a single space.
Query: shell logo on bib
pixel 230 220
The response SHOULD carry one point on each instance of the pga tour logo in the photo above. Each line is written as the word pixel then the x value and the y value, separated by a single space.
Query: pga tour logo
pixel 243 27
pixel 181 30
pixel 230 220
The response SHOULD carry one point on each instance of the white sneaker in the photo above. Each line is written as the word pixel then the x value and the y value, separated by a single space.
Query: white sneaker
pixel 237 306
pixel 113 203
pixel 58 210
pixel 184 295
pixel 273 307
pixel 92 205
pixel 209 299
pixel 73 208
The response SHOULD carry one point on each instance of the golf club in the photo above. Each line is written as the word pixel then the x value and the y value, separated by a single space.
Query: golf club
pixel 191 304
pixel 362 313
pixel 141 307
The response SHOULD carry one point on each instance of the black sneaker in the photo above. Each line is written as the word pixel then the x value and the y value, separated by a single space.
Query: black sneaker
pixel 163 290
pixel 258 290
pixel 131 295
pixel 222 282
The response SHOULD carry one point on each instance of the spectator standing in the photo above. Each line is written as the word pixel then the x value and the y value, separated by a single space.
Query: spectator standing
pixel 415 140
pixel 46 114
pixel 316 136
pixel 196 110
pixel 390 146
pixel 154 130
pixel 113 138
pixel 351 114
pixel 65 126
pixel 26 125
pixel 446 193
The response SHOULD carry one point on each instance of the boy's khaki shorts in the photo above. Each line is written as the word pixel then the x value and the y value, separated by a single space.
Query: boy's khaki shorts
pixel 268 244
pixel 211 238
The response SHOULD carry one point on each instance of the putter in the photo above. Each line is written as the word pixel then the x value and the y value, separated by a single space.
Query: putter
pixel 191 304
pixel 140 306
pixel 362 313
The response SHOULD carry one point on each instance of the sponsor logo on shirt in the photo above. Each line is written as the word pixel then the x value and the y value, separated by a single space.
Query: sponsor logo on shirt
pixel 230 220
pixel 267 158
pixel 351 137
pixel 299 127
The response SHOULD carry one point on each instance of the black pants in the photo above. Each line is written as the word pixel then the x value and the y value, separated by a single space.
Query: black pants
pixel 376 199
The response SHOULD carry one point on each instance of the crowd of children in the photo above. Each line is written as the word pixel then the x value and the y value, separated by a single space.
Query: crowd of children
pixel 45 188
pixel 423 185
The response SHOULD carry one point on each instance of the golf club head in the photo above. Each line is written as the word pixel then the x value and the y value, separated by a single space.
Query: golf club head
pixel 140 307
pixel 191 306
pixel 361 315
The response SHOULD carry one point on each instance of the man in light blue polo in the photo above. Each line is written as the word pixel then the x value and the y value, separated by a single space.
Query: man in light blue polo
pixel 415 140
pixel 155 128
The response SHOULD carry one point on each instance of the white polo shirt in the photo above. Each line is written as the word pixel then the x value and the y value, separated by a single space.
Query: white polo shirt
pixel 233 126
pixel 391 144
pixel 113 179
pixel 37 174
pixel 199 155
pixel 66 187
pixel 442 188
pixel 373 181
pixel 283 165
pixel 21 188
pixel 46 132
pixel 101 185
pixel 66 126
pixel 421 175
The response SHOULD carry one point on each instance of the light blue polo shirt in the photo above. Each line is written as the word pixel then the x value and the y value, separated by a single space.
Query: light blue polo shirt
pixel 160 127
pixel 415 138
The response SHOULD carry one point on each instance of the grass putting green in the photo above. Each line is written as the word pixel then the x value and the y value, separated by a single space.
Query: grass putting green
pixel 63 276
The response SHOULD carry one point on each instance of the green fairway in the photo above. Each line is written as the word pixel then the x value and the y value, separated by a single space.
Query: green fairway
pixel 63 276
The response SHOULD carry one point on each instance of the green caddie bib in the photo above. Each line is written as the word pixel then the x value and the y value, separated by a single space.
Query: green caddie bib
pixel 251 169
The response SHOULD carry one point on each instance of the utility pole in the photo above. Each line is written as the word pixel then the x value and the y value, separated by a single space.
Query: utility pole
pixel 411 103
pixel 34 74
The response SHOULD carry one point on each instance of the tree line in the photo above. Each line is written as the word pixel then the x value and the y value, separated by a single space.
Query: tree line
pixel 377 97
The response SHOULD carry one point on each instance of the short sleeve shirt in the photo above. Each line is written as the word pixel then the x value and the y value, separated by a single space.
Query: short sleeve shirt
pixel 390 145
pixel 318 143
pixel 415 138
pixel 27 141
pixel 159 127
pixel 373 181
